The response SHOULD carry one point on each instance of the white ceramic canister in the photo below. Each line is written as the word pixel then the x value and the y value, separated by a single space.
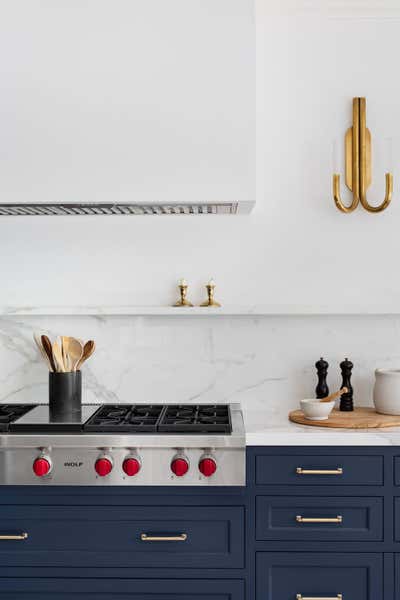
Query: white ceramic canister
pixel 387 391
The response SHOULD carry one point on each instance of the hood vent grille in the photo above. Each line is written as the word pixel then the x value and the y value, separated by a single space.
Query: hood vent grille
pixel 67 209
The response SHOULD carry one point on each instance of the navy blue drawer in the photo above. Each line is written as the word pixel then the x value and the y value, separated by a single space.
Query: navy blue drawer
pixel 313 469
pixel 283 576
pixel 293 518
pixel 93 536
pixel 120 589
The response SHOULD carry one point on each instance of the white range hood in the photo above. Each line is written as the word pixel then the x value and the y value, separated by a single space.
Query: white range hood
pixel 127 107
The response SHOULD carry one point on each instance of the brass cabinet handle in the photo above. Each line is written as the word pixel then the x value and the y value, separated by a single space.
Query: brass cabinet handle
pixel 20 536
pixel 338 519
pixel 301 471
pixel 163 538
pixel 337 597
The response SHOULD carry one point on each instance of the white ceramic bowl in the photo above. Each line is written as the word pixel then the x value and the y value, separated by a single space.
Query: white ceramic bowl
pixel 387 391
pixel 315 410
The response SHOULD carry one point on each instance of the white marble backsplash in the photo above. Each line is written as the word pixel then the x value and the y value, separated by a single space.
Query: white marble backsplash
pixel 265 363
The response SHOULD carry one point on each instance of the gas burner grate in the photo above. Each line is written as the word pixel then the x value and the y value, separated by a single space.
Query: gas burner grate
pixel 197 418
pixel 137 418
pixel 153 418
pixel 9 413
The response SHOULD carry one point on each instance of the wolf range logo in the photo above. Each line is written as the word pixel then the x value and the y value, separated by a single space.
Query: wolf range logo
pixel 73 463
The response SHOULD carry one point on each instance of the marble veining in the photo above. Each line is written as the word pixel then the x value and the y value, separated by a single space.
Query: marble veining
pixel 265 363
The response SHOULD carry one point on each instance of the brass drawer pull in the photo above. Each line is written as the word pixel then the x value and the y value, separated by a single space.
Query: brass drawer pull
pixel 301 471
pixel 163 538
pixel 338 519
pixel 20 536
pixel 337 597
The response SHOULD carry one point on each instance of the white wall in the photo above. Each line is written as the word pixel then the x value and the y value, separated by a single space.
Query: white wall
pixel 296 247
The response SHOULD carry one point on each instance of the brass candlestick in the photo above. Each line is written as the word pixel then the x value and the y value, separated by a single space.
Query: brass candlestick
pixel 210 293
pixel 183 286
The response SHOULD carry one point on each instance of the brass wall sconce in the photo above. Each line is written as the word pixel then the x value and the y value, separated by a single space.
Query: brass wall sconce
pixel 358 164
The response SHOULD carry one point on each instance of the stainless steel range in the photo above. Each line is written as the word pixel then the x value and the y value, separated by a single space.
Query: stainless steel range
pixel 180 445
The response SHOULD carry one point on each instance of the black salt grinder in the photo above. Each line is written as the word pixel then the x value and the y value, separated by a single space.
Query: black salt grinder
pixel 322 389
pixel 346 400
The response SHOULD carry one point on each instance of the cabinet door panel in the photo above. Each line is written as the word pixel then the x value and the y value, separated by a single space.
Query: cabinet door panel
pixel 340 518
pixel 92 536
pixel 283 576
pixel 314 469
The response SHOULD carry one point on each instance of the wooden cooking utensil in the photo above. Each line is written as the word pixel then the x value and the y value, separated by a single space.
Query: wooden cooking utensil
pixel 75 352
pixel 47 347
pixel 38 342
pixel 335 395
pixel 88 350
pixel 63 341
pixel 58 357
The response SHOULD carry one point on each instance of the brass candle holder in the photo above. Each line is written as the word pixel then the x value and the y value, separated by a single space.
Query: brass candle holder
pixel 210 287
pixel 183 286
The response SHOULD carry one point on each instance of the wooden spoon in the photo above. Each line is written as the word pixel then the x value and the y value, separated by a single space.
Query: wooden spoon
pixel 58 357
pixel 42 351
pixel 47 347
pixel 74 352
pixel 88 350
pixel 335 395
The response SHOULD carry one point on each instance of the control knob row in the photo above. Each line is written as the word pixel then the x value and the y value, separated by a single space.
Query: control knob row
pixel 131 466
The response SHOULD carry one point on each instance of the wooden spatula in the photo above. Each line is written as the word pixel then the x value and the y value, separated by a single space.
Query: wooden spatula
pixel 46 343
pixel 58 357
pixel 42 351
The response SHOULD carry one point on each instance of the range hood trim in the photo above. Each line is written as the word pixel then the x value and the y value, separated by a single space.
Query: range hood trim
pixel 57 209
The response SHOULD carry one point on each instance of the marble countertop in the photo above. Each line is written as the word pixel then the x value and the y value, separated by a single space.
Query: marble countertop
pixel 270 429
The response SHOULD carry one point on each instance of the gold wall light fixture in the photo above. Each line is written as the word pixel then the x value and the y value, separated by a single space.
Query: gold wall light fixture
pixel 358 164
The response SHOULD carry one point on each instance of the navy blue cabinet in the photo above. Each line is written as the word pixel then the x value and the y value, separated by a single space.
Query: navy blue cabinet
pixel 287 576
pixel 123 536
pixel 324 519
pixel 319 468
pixel 311 523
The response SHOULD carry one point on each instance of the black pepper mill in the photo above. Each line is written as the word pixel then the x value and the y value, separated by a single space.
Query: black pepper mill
pixel 322 389
pixel 346 400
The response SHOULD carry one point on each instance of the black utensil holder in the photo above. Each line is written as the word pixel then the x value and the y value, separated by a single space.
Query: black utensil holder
pixel 65 393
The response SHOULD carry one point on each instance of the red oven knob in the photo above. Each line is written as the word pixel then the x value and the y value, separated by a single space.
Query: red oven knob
pixel 41 466
pixel 207 466
pixel 103 466
pixel 180 466
pixel 131 466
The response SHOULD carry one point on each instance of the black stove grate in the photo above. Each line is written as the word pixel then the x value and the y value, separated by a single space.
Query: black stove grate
pixel 9 413
pixel 153 418
pixel 196 418
pixel 137 418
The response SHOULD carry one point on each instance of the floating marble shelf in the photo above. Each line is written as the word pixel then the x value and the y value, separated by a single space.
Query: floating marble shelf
pixel 196 311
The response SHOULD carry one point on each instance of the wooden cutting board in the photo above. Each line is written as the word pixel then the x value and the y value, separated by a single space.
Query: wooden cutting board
pixel 361 418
